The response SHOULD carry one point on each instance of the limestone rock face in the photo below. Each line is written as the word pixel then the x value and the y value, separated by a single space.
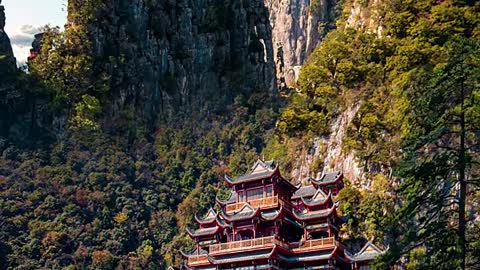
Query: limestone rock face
pixel 7 66
pixel 167 57
pixel 366 16
pixel 298 26
pixel 7 60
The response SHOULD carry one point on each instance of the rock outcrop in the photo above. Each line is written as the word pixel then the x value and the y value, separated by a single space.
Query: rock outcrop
pixel 329 151
pixel 8 93
pixel 23 110
pixel 7 60
pixel 298 26
pixel 365 15
pixel 170 57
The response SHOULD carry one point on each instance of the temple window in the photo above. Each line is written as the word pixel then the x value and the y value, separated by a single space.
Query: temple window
pixel 269 191
pixel 253 194
pixel 241 196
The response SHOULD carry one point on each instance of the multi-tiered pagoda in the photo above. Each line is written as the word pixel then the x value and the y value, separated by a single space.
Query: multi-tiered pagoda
pixel 268 223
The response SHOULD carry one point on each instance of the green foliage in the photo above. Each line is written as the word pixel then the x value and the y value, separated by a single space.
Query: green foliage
pixel 103 202
pixel 406 86
pixel 336 73
pixel 65 66
pixel 85 111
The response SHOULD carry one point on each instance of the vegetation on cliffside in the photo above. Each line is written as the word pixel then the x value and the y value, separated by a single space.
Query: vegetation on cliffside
pixel 417 87
pixel 91 197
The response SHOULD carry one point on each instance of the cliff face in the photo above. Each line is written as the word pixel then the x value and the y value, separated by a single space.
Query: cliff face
pixel 329 150
pixel 365 15
pixel 167 57
pixel 8 93
pixel 297 28
pixel 7 61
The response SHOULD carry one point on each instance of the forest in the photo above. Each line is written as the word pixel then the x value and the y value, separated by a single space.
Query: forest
pixel 88 184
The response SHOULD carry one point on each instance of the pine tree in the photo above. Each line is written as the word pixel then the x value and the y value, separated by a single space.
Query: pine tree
pixel 441 156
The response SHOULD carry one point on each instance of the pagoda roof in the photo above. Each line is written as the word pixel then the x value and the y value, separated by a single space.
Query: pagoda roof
pixel 231 198
pixel 243 256
pixel 307 257
pixel 318 198
pixel 257 174
pixel 272 215
pixel 328 178
pixel 368 253
pixel 260 170
pixel 210 217
pixel 319 214
pixel 246 212
pixel 317 226
pixel 304 191
pixel 222 223
pixel 203 231
pixel 195 252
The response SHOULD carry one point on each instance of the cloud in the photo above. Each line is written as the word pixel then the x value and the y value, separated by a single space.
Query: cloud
pixel 21 40
pixel 29 29
pixel 21 53
pixel 24 35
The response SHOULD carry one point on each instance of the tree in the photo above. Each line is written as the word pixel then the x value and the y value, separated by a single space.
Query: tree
pixel 442 154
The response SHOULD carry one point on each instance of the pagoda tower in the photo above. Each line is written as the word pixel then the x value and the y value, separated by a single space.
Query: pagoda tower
pixel 268 223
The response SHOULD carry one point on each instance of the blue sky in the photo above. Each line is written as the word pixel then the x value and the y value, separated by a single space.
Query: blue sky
pixel 24 17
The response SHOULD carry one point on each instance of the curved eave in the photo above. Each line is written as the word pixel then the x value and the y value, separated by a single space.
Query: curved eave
pixel 231 218
pixel 349 257
pixel 230 181
pixel 279 214
pixel 222 224
pixel 241 259
pixel 292 187
pixel 207 233
pixel 354 258
pixel 221 202
pixel 296 259
pixel 319 182
pixel 317 203
pixel 226 201
pixel 313 216
pixel 187 255
pixel 205 221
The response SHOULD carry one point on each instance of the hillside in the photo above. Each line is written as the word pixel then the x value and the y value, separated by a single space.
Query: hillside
pixel 127 121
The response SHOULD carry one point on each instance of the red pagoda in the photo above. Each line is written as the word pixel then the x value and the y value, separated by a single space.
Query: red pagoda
pixel 268 223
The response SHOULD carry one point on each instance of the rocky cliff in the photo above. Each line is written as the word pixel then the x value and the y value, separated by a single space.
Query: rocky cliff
pixel 169 57
pixel 8 93
pixel 7 61
pixel 327 153
pixel 297 28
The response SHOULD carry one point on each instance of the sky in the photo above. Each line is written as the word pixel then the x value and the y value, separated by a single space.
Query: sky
pixel 25 17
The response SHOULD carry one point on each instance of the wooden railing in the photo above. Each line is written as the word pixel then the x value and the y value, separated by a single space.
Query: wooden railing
pixel 256 203
pixel 199 259
pixel 269 241
pixel 314 244
pixel 243 244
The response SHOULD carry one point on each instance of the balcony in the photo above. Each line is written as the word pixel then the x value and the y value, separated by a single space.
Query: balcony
pixel 263 242
pixel 315 244
pixel 198 260
pixel 261 203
